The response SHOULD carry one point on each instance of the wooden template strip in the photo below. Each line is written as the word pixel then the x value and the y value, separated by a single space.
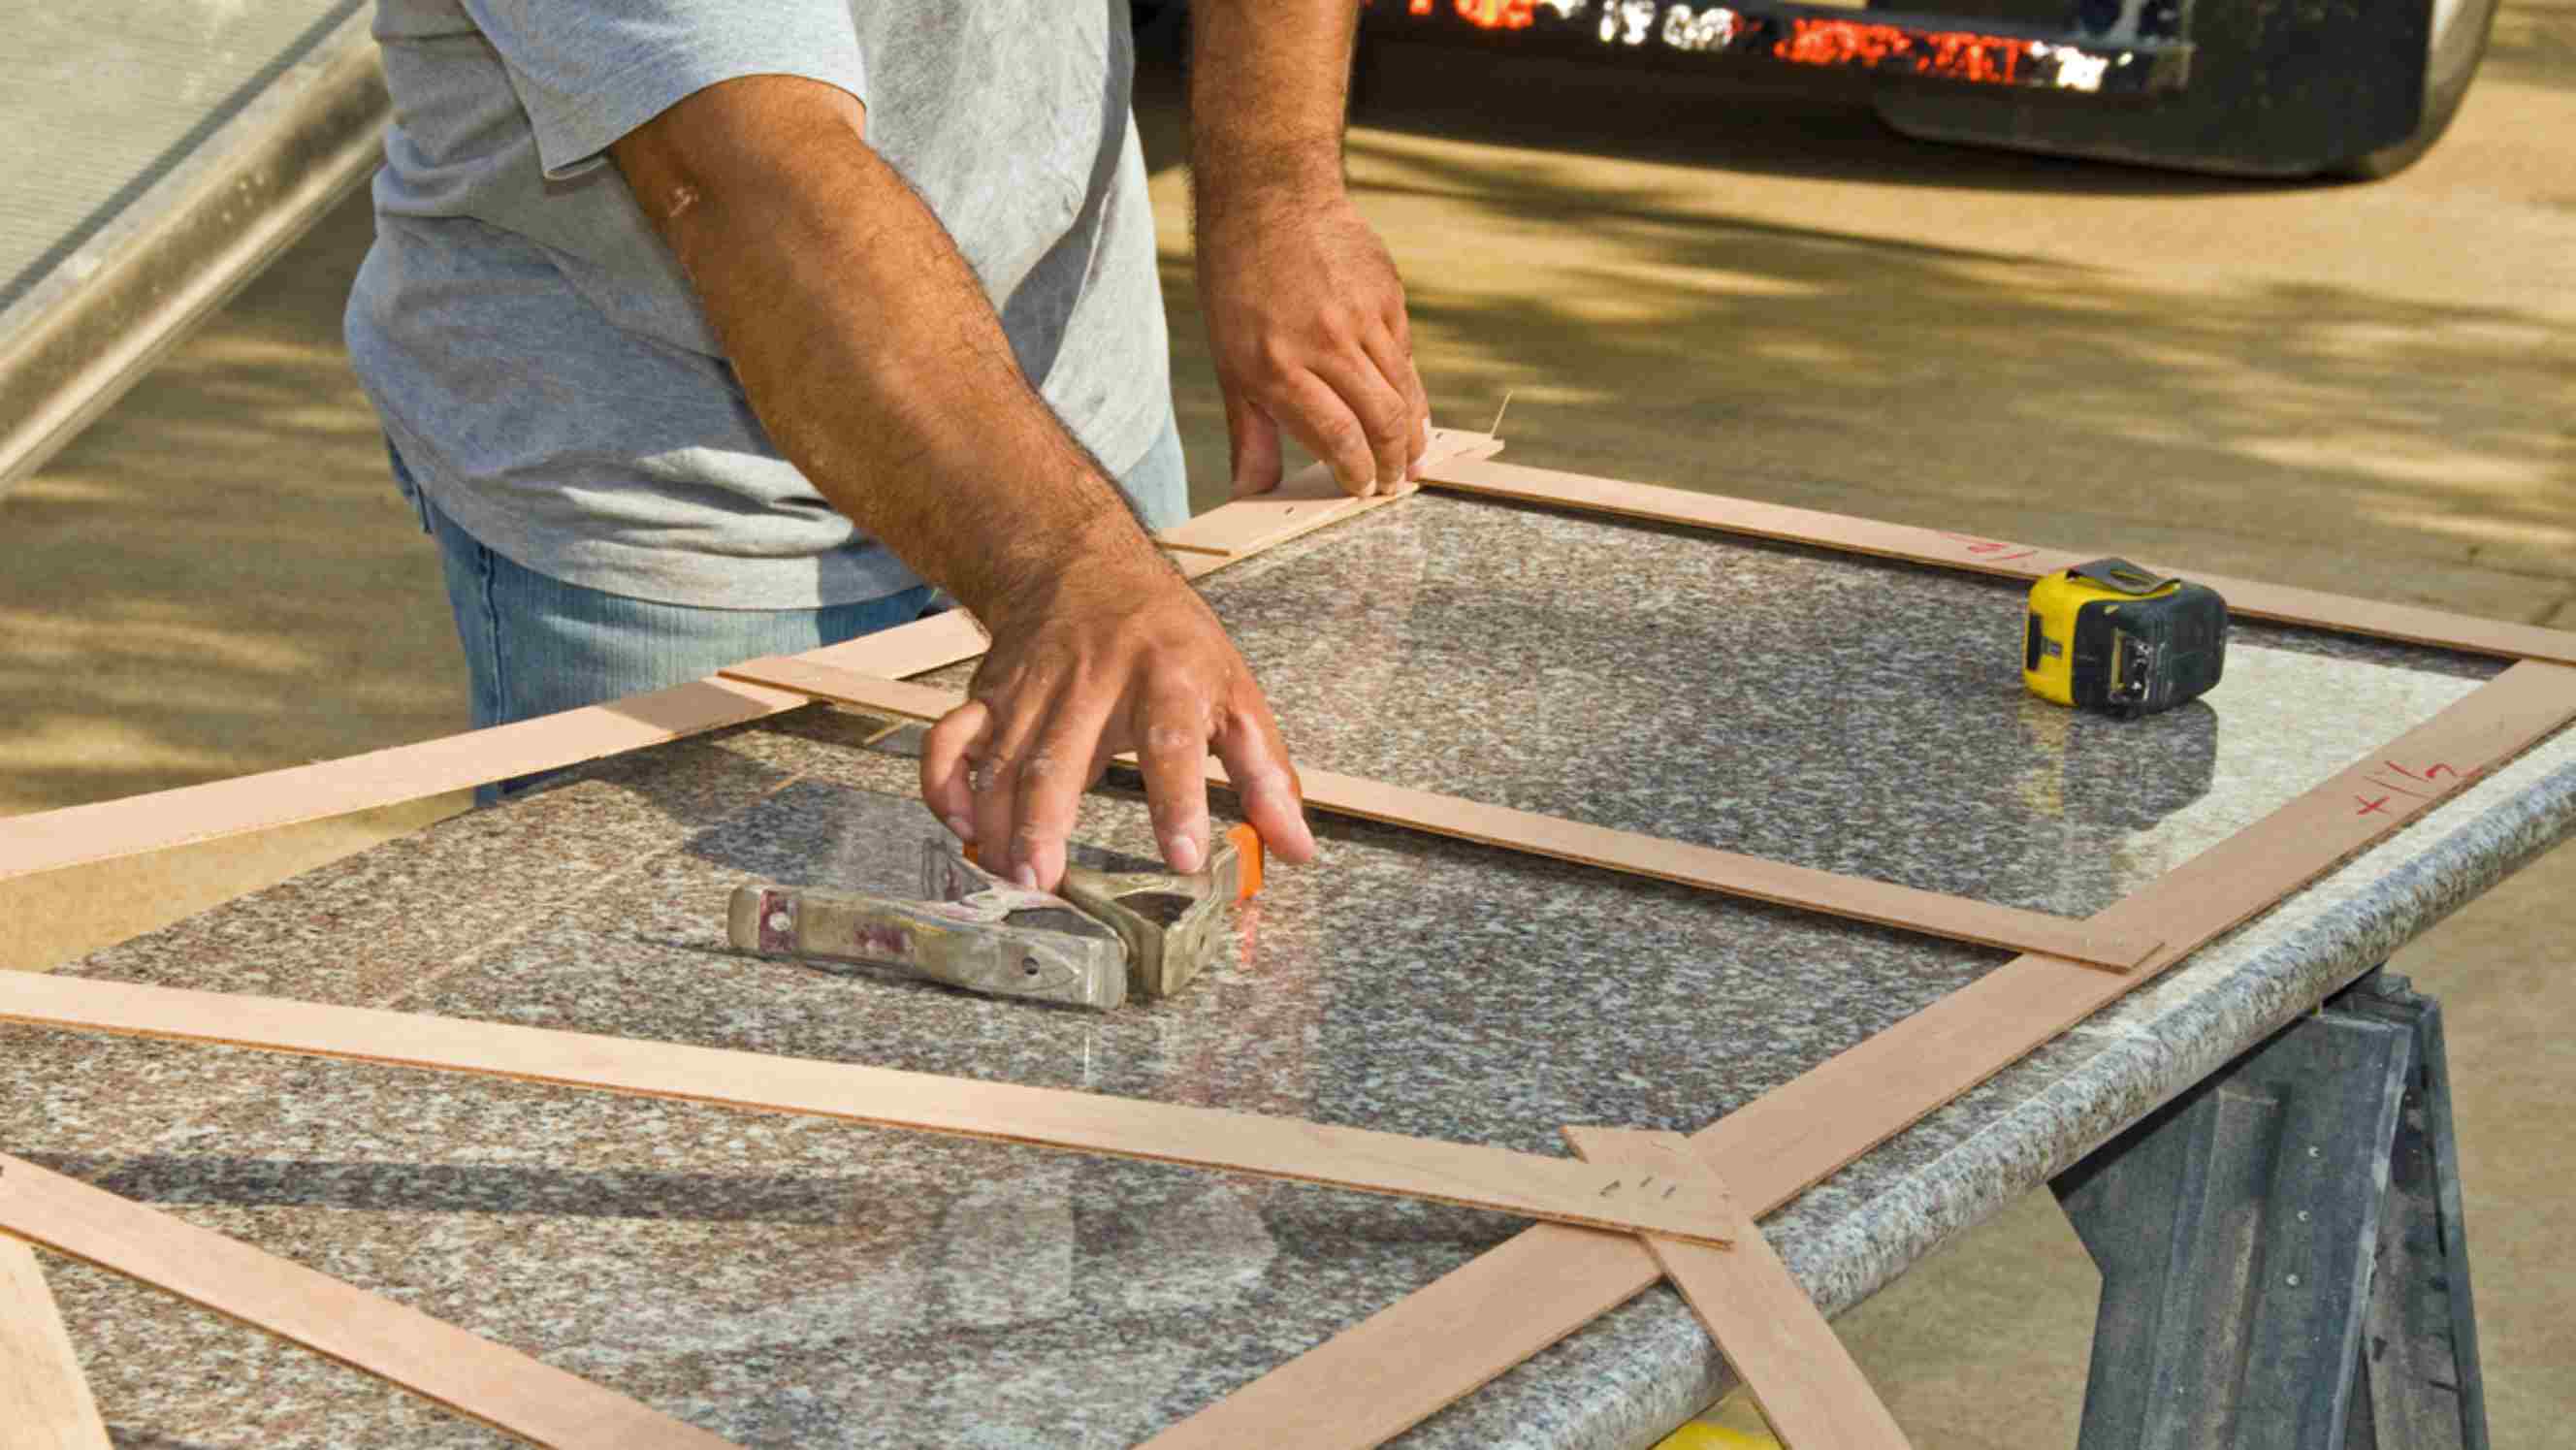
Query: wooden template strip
pixel 1304 502
pixel 2251 598
pixel 910 649
pixel 464 1372
pixel 44 1398
pixel 1857 898
pixel 1474 1175
pixel 1405 1363
pixel 75 835
pixel 1881 1086
pixel 1805 1382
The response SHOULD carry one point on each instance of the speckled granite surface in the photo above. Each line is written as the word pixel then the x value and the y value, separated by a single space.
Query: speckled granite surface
pixel 790 1282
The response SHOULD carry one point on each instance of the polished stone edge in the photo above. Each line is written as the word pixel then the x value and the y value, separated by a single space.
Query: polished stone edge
pixel 1630 1377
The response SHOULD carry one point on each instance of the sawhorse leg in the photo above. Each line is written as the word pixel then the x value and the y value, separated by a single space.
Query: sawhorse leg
pixel 2281 1251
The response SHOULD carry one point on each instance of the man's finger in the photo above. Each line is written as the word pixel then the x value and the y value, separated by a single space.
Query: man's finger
pixel 1018 717
pixel 1255 442
pixel 944 769
pixel 1315 415
pixel 1256 760
pixel 1171 732
pixel 1385 415
pixel 1395 363
pixel 1060 764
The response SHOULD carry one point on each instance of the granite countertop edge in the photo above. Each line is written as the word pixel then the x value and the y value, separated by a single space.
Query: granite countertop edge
pixel 2153 1045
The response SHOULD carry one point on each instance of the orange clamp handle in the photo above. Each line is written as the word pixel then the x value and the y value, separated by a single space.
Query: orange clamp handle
pixel 1247 850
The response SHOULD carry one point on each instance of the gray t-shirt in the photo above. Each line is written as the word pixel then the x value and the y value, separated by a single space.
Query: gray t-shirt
pixel 541 362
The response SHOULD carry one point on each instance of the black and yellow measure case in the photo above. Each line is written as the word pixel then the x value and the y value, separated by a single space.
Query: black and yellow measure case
pixel 2110 636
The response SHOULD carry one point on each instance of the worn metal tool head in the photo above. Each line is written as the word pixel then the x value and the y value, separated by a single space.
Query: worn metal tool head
pixel 1172 922
pixel 976 931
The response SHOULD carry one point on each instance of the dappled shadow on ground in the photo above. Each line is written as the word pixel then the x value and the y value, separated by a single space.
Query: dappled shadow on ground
pixel 2239 420
pixel 2533 43
pixel 1748 118
pixel 218 576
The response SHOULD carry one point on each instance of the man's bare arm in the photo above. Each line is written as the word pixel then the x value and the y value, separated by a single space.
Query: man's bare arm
pixel 877 365
pixel 1304 310
pixel 866 343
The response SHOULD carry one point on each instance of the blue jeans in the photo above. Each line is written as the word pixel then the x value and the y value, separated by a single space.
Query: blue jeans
pixel 535 644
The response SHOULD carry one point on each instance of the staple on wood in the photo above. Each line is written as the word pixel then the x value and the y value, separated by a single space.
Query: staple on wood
pixel 1809 1389
pixel 1305 501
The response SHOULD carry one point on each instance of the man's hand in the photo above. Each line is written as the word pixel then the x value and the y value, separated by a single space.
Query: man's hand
pixel 1096 662
pixel 1304 309
pixel 1306 316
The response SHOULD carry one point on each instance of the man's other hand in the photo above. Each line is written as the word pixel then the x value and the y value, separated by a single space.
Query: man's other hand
pixel 1307 319
pixel 1105 658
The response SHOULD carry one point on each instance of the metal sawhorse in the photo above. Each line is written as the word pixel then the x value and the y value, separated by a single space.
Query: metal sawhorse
pixel 2282 1258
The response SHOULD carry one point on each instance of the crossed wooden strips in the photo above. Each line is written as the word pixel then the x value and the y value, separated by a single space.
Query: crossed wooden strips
pixel 1640 1207
pixel 1637 1185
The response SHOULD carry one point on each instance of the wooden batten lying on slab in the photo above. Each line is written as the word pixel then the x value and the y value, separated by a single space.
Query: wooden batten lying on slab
pixel 77 835
pixel 1361 1159
pixel 1389 1372
pixel 1809 1389
pixel 2250 598
pixel 45 1403
pixel 1856 898
pixel 464 1372
pixel 1305 501
pixel 1410 1360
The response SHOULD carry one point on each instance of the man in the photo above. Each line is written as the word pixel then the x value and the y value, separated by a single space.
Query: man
pixel 702 330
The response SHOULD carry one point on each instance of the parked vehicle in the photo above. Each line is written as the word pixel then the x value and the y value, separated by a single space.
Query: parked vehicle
pixel 2279 88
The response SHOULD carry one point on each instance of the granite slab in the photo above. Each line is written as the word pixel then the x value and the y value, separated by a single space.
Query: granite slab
pixel 788 1281
pixel 1832 711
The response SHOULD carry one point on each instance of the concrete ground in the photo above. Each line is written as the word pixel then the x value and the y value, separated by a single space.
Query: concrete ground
pixel 1752 291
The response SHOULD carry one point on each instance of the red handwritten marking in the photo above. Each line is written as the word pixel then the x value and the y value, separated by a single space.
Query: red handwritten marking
pixel 2401 790
pixel 2368 806
pixel 1990 547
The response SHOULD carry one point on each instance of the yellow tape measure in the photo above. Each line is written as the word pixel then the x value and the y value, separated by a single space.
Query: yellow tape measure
pixel 2110 636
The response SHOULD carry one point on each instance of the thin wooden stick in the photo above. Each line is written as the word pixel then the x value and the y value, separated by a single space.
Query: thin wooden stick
pixel 1411 1359
pixel 1471 1174
pixel 1805 1382
pixel 1306 501
pixel 77 835
pixel 2251 598
pixel 1733 873
pixel 439 1362
pixel 44 1398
